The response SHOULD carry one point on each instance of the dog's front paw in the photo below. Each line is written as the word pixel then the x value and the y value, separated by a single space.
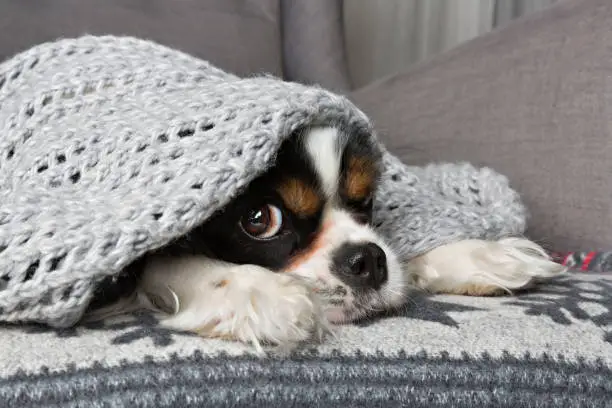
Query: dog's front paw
pixel 273 309
pixel 483 268
pixel 253 305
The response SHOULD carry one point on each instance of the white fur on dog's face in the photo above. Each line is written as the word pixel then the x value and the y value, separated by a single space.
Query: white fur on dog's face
pixel 338 227
pixel 343 303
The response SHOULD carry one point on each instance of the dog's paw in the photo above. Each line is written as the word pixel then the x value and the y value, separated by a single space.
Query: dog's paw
pixel 483 268
pixel 254 305
pixel 276 309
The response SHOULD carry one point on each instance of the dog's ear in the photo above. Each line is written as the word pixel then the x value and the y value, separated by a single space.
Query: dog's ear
pixel 162 299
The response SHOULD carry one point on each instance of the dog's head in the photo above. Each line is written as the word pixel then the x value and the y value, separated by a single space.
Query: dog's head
pixel 310 215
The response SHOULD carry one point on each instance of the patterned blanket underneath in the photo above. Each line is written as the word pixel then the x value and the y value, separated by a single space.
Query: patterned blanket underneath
pixel 550 347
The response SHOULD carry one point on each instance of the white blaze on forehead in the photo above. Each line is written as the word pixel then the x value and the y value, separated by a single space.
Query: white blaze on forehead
pixel 342 228
pixel 321 143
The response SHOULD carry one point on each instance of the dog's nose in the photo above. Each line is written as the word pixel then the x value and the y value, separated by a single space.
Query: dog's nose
pixel 364 265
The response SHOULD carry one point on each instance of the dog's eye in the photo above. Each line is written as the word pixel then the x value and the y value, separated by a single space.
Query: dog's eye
pixel 262 223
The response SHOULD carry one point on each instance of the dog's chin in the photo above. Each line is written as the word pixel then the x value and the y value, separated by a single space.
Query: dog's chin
pixel 362 307
pixel 393 295
pixel 357 305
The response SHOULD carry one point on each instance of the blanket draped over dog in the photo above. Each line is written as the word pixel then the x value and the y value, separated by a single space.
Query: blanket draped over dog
pixel 113 146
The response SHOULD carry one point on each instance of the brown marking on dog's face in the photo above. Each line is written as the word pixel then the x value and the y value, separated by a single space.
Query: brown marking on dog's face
pixel 300 197
pixel 360 178
pixel 313 248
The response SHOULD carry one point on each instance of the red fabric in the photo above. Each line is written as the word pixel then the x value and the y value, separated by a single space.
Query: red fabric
pixel 589 261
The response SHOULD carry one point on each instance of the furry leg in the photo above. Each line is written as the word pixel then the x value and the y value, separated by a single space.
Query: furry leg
pixel 482 268
pixel 238 302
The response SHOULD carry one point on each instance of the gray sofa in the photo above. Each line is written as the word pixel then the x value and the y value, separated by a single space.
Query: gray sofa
pixel 533 101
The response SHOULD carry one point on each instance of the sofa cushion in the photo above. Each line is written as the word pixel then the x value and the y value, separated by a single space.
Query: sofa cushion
pixel 240 36
pixel 531 101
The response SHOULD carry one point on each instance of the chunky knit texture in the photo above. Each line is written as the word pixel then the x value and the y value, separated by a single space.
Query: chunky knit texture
pixel 111 147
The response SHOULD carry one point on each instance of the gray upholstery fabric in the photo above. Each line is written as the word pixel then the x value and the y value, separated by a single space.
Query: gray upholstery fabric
pixel 240 36
pixel 534 102
pixel 299 40
pixel 313 43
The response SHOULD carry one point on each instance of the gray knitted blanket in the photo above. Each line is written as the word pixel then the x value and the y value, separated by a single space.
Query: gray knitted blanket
pixel 112 147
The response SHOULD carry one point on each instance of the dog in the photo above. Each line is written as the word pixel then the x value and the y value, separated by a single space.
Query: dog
pixel 295 254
